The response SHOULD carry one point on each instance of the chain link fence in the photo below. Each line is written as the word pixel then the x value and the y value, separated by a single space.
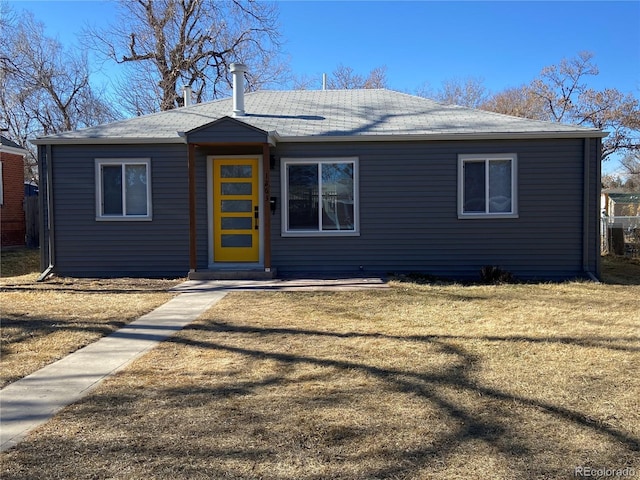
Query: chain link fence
pixel 620 235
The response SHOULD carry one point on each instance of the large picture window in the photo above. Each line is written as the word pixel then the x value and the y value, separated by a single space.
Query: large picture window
pixel 487 186
pixel 123 189
pixel 320 196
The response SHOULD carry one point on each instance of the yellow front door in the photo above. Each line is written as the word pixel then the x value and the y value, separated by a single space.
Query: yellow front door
pixel 236 210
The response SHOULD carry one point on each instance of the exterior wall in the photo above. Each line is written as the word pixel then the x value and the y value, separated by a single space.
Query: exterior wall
pixel 408 213
pixel 86 247
pixel 12 222
pixel 202 206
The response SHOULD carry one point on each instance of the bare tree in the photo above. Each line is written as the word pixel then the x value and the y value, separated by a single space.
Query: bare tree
pixel 631 163
pixel 560 93
pixel 627 177
pixel 44 88
pixel 469 92
pixel 631 166
pixel 169 43
pixel 344 78
pixel 516 101
pixel 558 86
pixel 616 113
pixel 306 82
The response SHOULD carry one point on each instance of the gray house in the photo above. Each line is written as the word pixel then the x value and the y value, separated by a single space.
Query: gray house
pixel 321 181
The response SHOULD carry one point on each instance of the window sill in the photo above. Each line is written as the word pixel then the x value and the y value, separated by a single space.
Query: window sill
pixel 321 234
pixel 486 216
pixel 124 219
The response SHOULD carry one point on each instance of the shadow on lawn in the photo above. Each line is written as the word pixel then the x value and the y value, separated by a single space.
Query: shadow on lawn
pixel 493 420
pixel 82 289
pixel 22 328
pixel 414 382
pixel 18 331
pixel 483 422
pixel 582 342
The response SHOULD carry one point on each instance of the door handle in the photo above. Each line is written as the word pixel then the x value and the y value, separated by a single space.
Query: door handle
pixel 256 216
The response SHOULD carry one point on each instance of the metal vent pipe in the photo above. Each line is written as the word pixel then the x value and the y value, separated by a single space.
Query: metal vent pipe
pixel 238 70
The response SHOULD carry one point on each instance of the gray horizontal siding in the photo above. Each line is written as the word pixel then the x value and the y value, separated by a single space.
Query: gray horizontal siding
pixel 202 209
pixel 227 130
pixel 408 213
pixel 86 247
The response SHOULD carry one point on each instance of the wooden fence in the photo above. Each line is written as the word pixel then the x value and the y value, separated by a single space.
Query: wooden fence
pixel 32 221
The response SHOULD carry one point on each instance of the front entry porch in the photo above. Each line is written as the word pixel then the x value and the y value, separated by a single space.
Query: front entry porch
pixel 233 274
pixel 235 215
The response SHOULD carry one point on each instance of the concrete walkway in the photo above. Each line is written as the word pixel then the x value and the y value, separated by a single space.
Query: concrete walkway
pixel 33 400
pixel 284 285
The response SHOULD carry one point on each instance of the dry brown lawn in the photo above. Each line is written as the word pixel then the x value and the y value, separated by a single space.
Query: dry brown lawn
pixel 43 322
pixel 412 382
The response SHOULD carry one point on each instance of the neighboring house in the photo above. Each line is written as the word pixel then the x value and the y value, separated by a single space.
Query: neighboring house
pixel 12 224
pixel 334 181
pixel 30 189
pixel 620 204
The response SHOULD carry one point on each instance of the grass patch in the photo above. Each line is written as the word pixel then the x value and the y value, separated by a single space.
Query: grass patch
pixel 20 262
pixel 43 322
pixel 621 270
pixel 411 382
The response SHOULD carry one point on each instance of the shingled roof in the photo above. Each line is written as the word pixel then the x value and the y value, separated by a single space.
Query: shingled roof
pixel 625 197
pixel 9 146
pixel 303 115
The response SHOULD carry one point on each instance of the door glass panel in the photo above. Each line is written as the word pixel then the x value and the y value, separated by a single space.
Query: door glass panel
pixel 236 171
pixel 230 240
pixel 236 206
pixel 237 223
pixel 234 188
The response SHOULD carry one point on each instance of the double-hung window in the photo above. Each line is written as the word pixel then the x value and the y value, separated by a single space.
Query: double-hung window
pixel 123 189
pixel 487 186
pixel 320 196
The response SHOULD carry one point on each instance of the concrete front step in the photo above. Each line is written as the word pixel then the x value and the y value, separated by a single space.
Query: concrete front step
pixel 233 275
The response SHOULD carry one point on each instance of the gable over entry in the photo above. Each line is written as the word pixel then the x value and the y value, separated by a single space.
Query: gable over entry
pixel 236 158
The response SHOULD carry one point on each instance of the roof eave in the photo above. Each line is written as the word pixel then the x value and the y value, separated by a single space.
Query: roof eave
pixel 106 140
pixel 438 137
pixel 274 138
pixel 13 150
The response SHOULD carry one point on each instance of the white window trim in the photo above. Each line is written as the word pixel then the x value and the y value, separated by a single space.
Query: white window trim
pixel 285 195
pixel 99 163
pixel 462 158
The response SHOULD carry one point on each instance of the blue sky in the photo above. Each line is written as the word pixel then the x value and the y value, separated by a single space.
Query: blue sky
pixel 506 43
